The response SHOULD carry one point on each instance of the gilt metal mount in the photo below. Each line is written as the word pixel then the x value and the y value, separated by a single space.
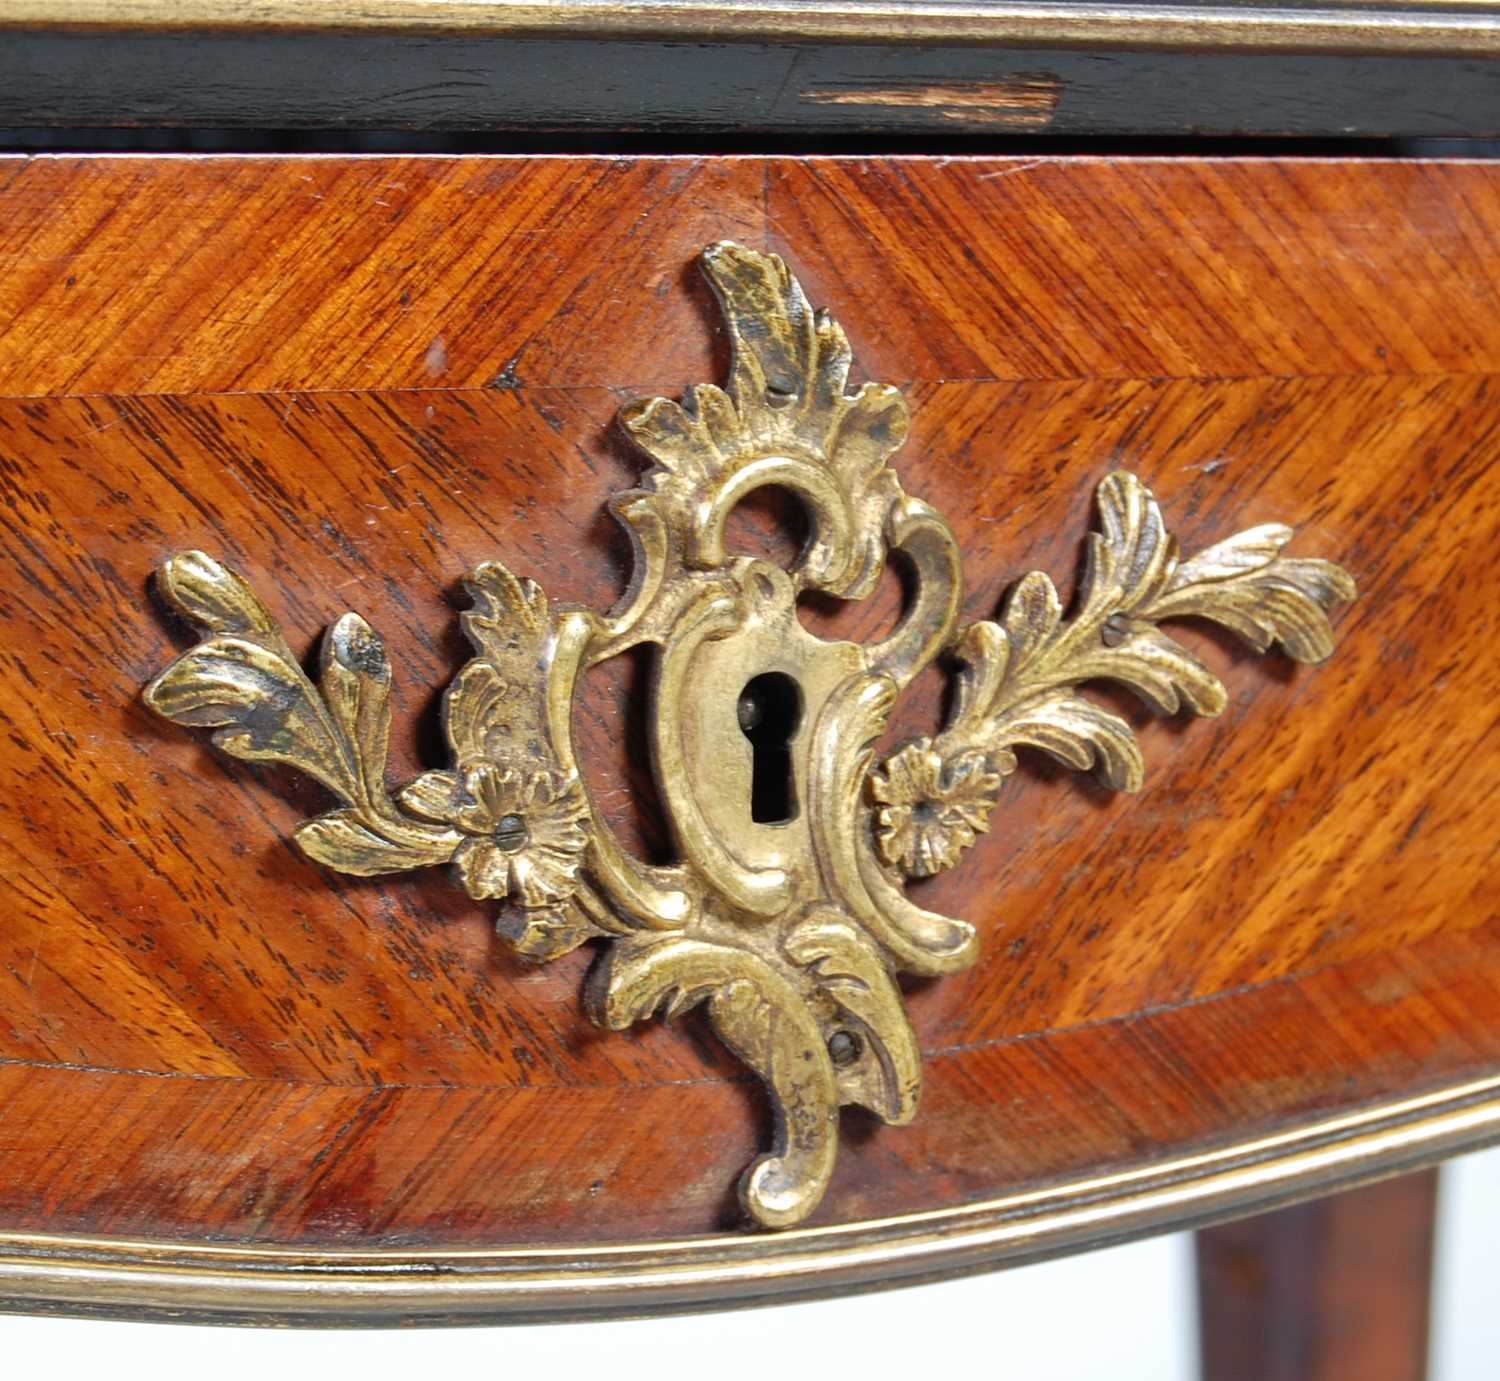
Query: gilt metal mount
pixel 786 916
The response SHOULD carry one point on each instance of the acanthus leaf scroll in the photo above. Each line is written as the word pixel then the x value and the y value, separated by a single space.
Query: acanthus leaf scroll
pixel 788 932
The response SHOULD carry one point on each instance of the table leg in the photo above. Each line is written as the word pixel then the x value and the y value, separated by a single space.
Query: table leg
pixel 1324 1291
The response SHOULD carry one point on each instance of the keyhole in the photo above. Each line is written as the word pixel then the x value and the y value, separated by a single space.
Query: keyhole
pixel 770 709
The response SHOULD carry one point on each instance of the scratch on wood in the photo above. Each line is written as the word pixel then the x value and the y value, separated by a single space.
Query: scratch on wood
pixel 1012 170
pixel 1028 99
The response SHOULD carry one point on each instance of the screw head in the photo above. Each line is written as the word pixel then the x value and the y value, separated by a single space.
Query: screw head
pixel 511 833
pixel 844 1048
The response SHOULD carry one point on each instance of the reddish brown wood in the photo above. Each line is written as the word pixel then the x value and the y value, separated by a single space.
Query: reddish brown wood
pixel 357 378
pixel 1322 1291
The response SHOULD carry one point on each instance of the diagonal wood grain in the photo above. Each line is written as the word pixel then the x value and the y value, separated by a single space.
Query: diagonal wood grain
pixel 271 1160
pixel 203 1032
pixel 1148 268
pixel 254 274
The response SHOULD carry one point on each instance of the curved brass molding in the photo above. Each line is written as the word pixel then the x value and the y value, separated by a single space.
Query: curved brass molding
pixel 275 1285
pixel 786 917
pixel 1417 27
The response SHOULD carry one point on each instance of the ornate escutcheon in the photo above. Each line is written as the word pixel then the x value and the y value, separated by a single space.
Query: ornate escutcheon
pixel 786 915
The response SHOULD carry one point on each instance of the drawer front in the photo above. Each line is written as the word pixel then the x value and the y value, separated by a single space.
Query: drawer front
pixel 356 380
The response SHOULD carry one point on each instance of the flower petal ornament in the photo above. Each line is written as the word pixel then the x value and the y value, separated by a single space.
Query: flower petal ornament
pixel 785 916
pixel 931 810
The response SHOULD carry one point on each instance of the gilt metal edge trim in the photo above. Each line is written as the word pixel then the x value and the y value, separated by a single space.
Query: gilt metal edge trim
pixel 787 928
pixel 373 1287
pixel 1384 29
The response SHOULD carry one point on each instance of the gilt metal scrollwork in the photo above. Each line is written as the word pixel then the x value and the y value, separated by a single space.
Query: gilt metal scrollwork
pixel 786 916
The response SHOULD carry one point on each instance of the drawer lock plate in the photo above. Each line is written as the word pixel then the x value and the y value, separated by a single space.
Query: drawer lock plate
pixel 786 914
